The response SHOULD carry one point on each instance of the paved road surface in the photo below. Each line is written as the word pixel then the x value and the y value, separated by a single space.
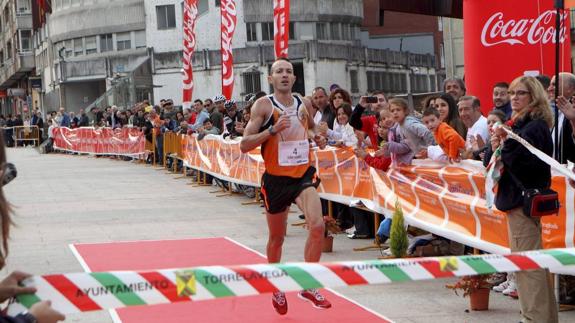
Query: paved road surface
pixel 63 199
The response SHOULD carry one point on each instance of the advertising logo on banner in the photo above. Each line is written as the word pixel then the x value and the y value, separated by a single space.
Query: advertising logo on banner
pixel 228 27
pixel 190 14
pixel 281 28
pixel 507 39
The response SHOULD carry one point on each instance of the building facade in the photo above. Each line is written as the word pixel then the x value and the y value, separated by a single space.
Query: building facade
pixel 16 55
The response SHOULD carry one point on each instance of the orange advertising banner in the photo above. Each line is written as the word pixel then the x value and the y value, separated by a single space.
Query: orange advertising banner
pixel 102 141
pixel 447 200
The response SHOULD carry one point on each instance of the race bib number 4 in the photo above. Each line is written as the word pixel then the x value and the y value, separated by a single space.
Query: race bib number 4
pixel 293 153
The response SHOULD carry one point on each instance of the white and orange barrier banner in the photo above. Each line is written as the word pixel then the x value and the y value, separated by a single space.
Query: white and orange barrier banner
pixel 102 141
pixel 448 200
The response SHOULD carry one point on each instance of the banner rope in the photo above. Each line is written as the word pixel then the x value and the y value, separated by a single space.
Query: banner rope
pixel 82 292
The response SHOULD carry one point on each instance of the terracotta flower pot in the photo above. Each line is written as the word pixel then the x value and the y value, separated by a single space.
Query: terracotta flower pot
pixel 479 300
pixel 327 244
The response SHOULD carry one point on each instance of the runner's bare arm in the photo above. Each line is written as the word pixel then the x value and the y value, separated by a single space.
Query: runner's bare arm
pixel 252 137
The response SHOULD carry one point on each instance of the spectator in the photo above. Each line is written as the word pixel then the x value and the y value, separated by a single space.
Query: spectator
pixel 476 123
pixel 65 121
pixel 98 114
pixel 73 120
pixel 367 125
pixel 454 87
pixel 501 98
pixel 531 120
pixel 495 116
pixel 445 136
pixel 209 105
pixel 430 102
pixel 342 133
pixel 240 126
pixel 321 101
pixel 374 108
pixel 217 115
pixel 231 118
pixel 207 129
pixel 202 115
pixel 566 116
pixel 449 113
pixel 408 136
pixel 84 120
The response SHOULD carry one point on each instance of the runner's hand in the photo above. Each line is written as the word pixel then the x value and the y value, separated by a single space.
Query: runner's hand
pixel 283 123
pixel 9 286
pixel 44 313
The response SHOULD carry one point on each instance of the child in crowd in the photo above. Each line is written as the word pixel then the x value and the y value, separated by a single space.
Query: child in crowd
pixel 379 161
pixel 445 136
pixel 493 117
pixel 407 136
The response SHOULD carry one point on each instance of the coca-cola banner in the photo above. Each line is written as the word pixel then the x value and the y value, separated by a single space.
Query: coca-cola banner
pixel 228 12
pixel 507 39
pixel 190 14
pixel 281 27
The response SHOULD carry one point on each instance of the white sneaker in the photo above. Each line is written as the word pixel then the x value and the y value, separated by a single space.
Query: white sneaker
pixel 511 288
pixel 501 287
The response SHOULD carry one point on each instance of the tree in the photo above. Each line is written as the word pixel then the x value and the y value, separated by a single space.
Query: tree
pixel 398 241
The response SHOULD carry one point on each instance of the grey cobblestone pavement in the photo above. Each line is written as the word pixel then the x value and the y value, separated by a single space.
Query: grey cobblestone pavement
pixel 62 199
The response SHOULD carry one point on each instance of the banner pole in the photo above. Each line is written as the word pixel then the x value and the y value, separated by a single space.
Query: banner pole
pixel 558 8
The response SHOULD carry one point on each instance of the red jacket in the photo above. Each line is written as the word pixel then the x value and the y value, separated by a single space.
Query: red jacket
pixel 381 163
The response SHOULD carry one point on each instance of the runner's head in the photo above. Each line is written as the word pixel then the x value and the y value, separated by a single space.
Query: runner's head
pixel 282 76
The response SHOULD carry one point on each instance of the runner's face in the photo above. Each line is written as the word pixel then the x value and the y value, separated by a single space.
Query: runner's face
pixel 282 77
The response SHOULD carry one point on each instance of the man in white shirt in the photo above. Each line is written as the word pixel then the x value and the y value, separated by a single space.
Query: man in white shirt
pixel 477 130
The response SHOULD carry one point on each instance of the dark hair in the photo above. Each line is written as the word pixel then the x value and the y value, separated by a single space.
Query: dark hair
pixel 430 111
pixel 544 80
pixel 427 100
pixel 499 114
pixel 346 109
pixel 5 208
pixel 318 89
pixel 206 100
pixel 376 92
pixel 207 120
pixel 279 59
pixel 198 100
pixel 504 85
pixel 260 94
pixel 344 94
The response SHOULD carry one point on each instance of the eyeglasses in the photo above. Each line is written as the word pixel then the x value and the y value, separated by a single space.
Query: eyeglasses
pixel 518 92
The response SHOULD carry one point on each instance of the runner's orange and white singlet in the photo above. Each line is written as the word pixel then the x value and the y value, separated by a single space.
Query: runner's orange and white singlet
pixel 287 153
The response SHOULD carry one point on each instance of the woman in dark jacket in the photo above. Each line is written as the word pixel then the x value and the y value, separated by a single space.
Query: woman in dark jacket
pixel 531 120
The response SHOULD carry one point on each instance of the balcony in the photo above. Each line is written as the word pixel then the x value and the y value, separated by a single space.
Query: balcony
pixel 16 68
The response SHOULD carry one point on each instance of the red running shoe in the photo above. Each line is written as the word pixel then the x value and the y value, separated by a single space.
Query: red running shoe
pixel 313 296
pixel 279 302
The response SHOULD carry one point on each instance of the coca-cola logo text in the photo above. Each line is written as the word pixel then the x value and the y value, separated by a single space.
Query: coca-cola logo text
pixel 281 27
pixel 190 14
pixel 532 31
pixel 228 11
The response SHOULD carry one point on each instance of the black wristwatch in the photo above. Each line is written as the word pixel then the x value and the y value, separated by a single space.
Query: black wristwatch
pixel 28 317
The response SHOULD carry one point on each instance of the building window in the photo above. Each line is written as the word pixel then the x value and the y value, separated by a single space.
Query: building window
pixel 251 31
pixel 91 45
pixel 267 31
pixel 166 17
pixel 78 47
pixel 25 40
pixel 68 48
pixel 381 17
pixel 335 34
pixel 1 57
pixel 23 7
pixel 292 30
pixel 140 38
pixel 321 31
pixel 345 32
pixel 251 82
pixel 124 41
pixel 217 2
pixel 106 43
pixel 353 81
pixel 8 50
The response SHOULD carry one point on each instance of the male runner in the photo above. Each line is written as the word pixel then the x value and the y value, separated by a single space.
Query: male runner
pixel 279 123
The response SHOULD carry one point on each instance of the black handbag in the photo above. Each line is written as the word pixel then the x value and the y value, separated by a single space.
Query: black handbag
pixel 538 202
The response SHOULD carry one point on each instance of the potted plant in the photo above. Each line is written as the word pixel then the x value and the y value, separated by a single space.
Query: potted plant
pixel 477 287
pixel 398 240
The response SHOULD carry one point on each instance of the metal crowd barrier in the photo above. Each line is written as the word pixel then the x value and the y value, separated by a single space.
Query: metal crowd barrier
pixel 23 134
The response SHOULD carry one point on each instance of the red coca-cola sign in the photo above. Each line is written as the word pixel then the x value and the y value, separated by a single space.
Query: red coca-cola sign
pixel 507 39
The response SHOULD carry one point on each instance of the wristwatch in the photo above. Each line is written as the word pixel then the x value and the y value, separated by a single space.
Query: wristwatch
pixel 28 317
pixel 271 131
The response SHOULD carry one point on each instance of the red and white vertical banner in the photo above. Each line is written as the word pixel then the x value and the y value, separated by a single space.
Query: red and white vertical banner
pixel 229 19
pixel 281 28
pixel 190 14
pixel 511 38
